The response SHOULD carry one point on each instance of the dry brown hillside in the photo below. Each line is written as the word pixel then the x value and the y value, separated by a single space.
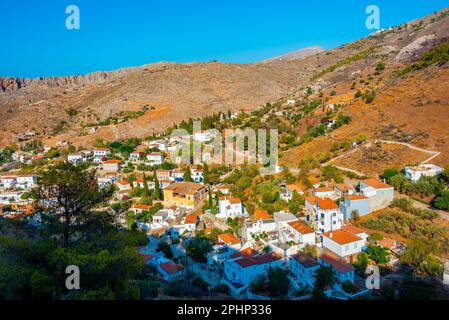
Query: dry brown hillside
pixel 178 91
pixel 412 109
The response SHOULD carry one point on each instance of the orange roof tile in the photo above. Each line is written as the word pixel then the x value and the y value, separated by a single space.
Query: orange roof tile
pixel 261 215
pixel 343 187
pixel 112 161
pixel 301 227
pixel 357 197
pixel 376 184
pixel 323 189
pixel 141 207
pixel 231 199
pixel 305 260
pixel 247 252
pixel 387 243
pixel 311 199
pixel 171 268
pixel 229 238
pixel 261 259
pixel 327 204
pixel 190 219
pixel 336 262
pixel 353 229
pixel 342 237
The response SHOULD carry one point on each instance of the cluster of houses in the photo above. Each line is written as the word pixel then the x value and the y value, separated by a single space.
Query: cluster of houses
pixel 262 241
pixel 267 241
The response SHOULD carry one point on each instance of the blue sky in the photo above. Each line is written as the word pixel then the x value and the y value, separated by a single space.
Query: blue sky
pixel 115 34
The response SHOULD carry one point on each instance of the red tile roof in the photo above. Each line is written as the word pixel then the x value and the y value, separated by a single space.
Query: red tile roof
pixel 327 204
pixel 301 227
pixel 171 268
pixel 141 207
pixel 247 252
pixel 112 161
pixel 357 197
pixel 323 189
pixel 305 260
pixel 257 260
pixel 147 257
pixel 190 219
pixel 342 237
pixel 261 215
pixel 336 262
pixel 228 238
pixel 353 229
pixel 231 199
pixel 376 184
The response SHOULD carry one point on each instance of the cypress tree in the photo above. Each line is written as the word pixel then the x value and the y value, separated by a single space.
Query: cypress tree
pixel 157 188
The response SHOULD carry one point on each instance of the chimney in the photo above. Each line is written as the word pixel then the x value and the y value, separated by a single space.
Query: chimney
pixel 330 235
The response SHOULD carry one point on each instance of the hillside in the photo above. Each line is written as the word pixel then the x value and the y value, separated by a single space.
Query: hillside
pixel 412 108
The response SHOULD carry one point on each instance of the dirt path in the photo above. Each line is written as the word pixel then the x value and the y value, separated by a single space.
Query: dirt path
pixel 433 153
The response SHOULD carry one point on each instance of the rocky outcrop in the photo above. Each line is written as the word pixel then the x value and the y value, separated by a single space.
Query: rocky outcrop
pixel 414 50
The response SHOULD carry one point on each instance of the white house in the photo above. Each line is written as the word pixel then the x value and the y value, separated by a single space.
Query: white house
pixel 229 240
pixel 223 189
pixel 188 224
pixel 101 152
pixel 106 180
pixel 325 214
pixel 76 158
pixel 241 271
pixel 123 185
pixel 324 192
pixel 197 175
pixel 10 197
pixel 254 228
pixel 287 191
pixel 342 190
pixel 380 194
pixel 202 136
pixel 282 218
pixel 155 158
pixel 112 165
pixel 303 268
pixel 26 181
pixel 139 208
pixel 136 155
pixel 343 243
pixel 230 207
pixel 423 170
pixel 291 102
pixel 8 182
pixel 161 218
pixel 298 232
pixel 170 271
